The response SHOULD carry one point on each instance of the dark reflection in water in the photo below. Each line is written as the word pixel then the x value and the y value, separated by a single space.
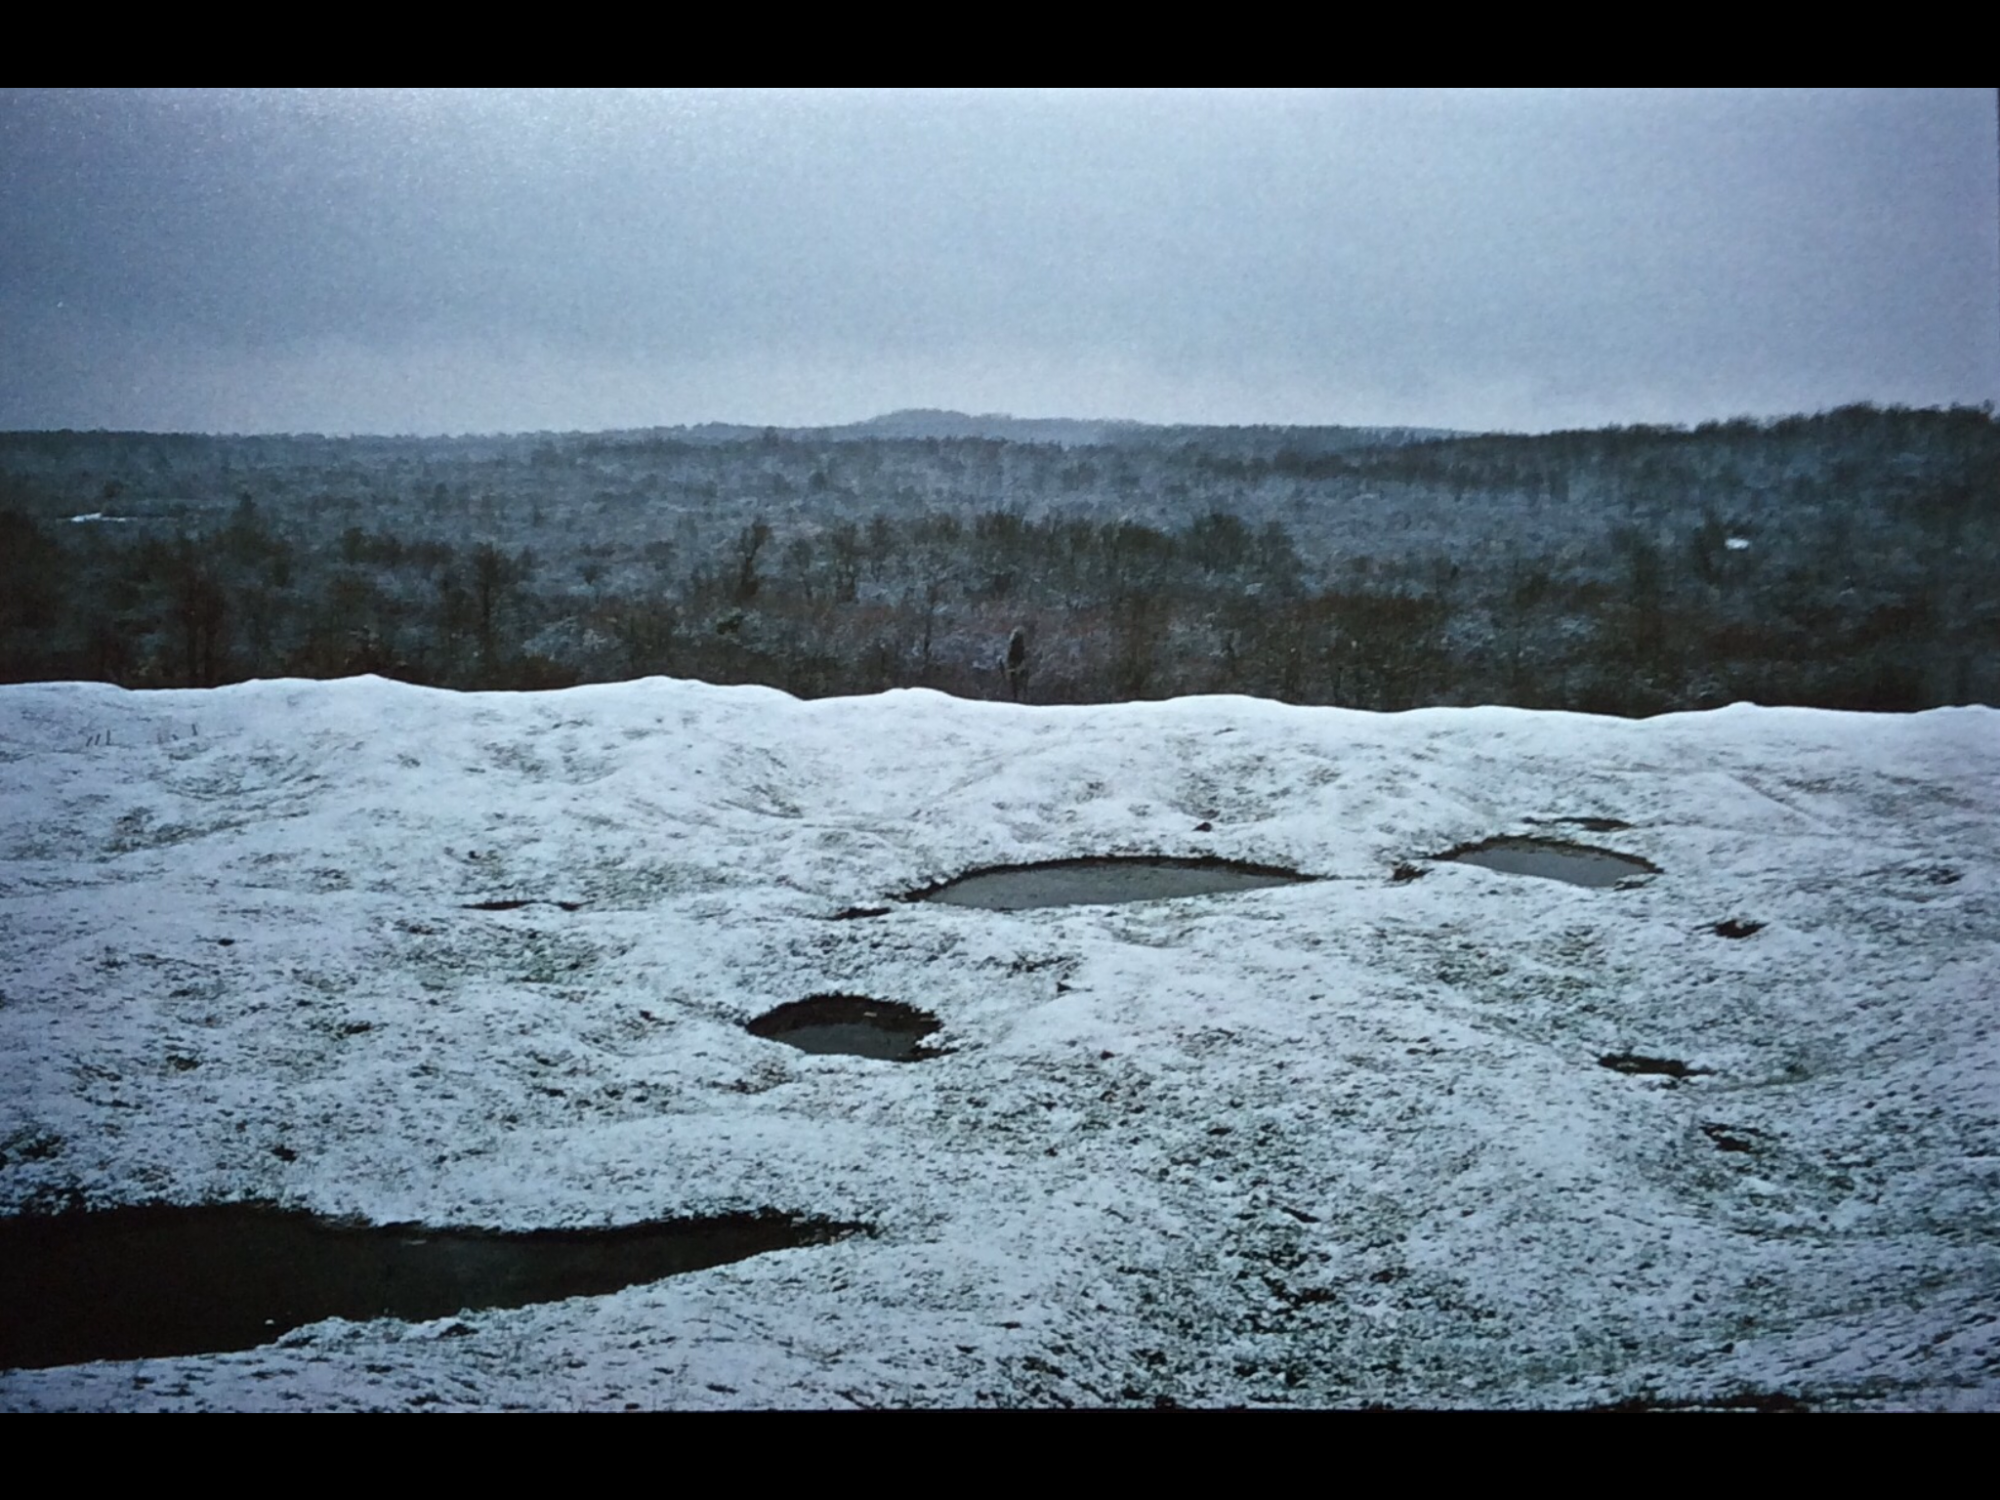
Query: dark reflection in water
pixel 1092 882
pixel 1553 860
pixel 851 1024
pixel 135 1283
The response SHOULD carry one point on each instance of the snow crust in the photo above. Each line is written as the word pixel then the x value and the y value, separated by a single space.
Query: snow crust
pixel 1327 1144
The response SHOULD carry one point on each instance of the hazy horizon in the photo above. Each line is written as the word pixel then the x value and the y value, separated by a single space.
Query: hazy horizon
pixel 469 434
pixel 431 263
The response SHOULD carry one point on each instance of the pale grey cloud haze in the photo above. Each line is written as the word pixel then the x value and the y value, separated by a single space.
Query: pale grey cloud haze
pixel 450 262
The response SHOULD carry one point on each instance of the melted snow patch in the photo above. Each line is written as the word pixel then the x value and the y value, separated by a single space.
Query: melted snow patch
pixel 147 1282
pixel 1099 882
pixel 1550 859
pixel 851 1024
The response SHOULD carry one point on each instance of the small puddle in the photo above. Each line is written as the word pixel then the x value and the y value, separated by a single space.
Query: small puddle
pixel 1637 1063
pixel 141 1283
pixel 851 1024
pixel 1731 1137
pixel 1095 882
pixel 1552 859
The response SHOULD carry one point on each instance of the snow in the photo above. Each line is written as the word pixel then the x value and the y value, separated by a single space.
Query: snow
pixel 1325 1144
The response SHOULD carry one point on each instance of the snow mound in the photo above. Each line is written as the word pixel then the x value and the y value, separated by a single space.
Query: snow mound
pixel 487 961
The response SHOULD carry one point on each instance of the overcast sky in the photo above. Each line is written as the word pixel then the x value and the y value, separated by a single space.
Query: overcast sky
pixel 419 262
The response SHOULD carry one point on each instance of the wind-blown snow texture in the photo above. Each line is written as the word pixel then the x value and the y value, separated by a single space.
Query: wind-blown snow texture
pixel 1333 1143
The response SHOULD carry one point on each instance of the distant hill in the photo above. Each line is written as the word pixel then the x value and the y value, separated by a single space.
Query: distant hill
pixel 994 426
pixel 1072 432
pixel 932 424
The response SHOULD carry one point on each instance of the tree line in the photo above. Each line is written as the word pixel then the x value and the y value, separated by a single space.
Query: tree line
pixel 1845 560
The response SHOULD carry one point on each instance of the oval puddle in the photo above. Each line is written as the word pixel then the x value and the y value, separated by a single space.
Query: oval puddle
pixel 142 1283
pixel 851 1024
pixel 1097 882
pixel 1551 859
pixel 1638 1063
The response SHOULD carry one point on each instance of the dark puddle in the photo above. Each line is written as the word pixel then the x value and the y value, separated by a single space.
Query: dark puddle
pixel 139 1283
pixel 1665 1067
pixel 1551 859
pixel 1093 882
pixel 517 905
pixel 852 1024
pixel 1731 1137
pixel 1735 928
pixel 858 913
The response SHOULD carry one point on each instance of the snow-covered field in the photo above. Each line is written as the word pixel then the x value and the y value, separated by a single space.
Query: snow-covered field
pixel 1326 1144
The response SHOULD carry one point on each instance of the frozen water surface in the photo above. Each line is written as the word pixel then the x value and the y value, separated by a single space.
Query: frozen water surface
pixel 132 1283
pixel 852 1024
pixel 1100 882
pixel 1551 859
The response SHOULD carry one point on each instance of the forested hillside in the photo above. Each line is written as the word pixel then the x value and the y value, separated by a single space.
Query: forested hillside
pixel 1843 560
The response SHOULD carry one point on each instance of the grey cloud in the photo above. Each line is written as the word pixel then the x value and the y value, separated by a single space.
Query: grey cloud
pixel 1530 259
